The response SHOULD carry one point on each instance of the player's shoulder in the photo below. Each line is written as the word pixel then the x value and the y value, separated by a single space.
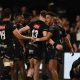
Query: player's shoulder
pixel 40 23
pixel 8 23
pixel 53 26
pixel 61 28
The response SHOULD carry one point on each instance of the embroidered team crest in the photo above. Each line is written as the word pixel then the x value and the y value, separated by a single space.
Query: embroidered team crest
pixel 2 27
pixel 36 26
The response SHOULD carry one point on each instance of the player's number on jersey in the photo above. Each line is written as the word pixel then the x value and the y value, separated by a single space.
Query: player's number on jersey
pixel 2 35
pixel 35 33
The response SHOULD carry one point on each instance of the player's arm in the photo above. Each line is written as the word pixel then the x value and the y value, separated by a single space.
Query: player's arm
pixel 46 36
pixel 24 29
pixel 75 47
pixel 51 41
pixel 23 45
pixel 66 39
pixel 18 35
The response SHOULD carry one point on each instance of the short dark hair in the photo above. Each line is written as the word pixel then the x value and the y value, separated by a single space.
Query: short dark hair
pixel 6 13
pixel 52 14
pixel 43 13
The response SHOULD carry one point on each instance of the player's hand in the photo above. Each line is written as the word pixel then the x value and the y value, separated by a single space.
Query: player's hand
pixel 37 39
pixel 24 49
pixel 33 39
pixel 72 52
pixel 59 47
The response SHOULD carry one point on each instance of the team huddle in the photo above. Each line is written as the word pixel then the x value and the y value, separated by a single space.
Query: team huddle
pixel 43 36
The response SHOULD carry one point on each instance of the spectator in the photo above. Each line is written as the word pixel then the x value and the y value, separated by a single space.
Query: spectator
pixel 77 30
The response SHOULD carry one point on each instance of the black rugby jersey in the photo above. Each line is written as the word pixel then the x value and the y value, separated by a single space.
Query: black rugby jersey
pixel 6 35
pixel 57 33
pixel 37 28
pixel 15 41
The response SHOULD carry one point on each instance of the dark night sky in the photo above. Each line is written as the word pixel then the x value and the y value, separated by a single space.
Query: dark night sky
pixel 68 4
pixel 71 6
pixel 30 3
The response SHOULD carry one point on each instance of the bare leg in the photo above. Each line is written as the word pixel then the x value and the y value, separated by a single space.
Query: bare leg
pixel 53 69
pixel 22 69
pixel 36 69
pixel 14 72
pixel 31 68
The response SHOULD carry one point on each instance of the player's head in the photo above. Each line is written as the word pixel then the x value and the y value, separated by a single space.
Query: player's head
pixel 43 15
pixel 50 18
pixel 19 19
pixel 6 13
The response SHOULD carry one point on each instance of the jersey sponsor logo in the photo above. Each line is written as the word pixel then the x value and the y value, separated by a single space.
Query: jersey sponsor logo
pixel 2 32
pixel 36 26
pixel 2 27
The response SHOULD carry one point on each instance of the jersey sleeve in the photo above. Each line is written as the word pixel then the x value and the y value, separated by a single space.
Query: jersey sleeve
pixel 51 29
pixel 45 27
pixel 13 27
